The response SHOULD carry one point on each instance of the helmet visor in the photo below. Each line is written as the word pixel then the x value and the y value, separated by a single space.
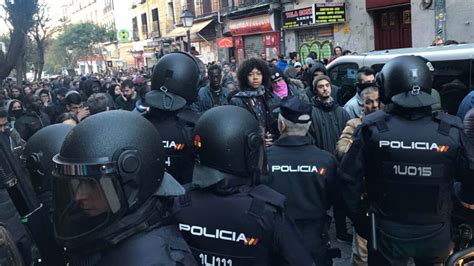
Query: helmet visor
pixel 84 204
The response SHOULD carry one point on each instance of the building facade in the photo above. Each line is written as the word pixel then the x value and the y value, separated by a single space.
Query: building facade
pixel 222 29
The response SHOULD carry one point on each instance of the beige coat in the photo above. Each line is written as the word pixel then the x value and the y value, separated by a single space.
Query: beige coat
pixel 345 140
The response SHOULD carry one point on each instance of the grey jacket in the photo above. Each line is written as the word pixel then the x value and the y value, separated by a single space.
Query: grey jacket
pixel 354 106
pixel 206 99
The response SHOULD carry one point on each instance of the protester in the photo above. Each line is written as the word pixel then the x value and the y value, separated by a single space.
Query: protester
pixel 33 118
pixel 283 86
pixel 370 101
pixel 126 101
pixel 365 78
pixel 213 94
pixel 254 79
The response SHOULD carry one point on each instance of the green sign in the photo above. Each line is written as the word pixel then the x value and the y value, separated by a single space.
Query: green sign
pixel 123 35
pixel 330 12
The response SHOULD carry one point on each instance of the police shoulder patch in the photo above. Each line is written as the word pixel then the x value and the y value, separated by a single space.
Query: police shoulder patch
pixel 268 195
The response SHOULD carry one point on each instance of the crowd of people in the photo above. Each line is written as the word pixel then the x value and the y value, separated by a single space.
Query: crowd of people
pixel 264 149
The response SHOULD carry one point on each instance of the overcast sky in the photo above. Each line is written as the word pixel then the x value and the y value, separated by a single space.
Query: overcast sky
pixel 54 11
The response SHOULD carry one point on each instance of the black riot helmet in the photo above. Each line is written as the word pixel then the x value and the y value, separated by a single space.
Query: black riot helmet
pixel 228 138
pixel 38 155
pixel 407 81
pixel 175 81
pixel 106 169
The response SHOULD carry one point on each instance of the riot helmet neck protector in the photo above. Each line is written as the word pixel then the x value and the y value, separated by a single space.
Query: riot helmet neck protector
pixel 230 143
pixel 175 82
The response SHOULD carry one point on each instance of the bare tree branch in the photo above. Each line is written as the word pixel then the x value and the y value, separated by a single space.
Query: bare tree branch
pixel 41 33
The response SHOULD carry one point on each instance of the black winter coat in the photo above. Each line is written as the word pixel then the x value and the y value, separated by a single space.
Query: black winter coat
pixel 328 122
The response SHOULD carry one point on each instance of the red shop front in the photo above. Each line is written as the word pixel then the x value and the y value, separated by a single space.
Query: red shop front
pixel 255 36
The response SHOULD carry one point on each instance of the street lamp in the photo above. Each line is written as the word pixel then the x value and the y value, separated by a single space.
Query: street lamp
pixel 187 18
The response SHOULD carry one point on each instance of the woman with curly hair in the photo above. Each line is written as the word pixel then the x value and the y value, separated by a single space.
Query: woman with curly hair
pixel 255 95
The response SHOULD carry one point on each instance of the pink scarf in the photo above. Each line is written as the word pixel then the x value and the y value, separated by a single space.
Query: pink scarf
pixel 280 88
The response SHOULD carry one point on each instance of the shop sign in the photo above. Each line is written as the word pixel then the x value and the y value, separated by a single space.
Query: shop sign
pixel 225 42
pixel 256 24
pixel 297 18
pixel 330 13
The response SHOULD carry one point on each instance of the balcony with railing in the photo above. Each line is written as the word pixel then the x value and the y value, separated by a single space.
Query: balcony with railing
pixel 145 31
pixel 155 29
pixel 247 3
pixel 203 8
pixel 136 36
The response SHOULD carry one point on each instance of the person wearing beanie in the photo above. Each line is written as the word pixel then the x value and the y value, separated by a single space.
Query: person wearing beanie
pixel 318 69
pixel 328 117
pixel 328 121
pixel 282 86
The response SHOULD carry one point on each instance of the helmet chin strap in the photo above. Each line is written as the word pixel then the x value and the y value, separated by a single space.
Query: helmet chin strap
pixel 167 96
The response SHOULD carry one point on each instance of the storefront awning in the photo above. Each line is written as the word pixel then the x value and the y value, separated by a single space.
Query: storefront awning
pixel 181 31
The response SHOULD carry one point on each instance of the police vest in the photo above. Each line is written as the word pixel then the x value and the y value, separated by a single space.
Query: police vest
pixel 411 166
pixel 230 230
pixel 177 143
pixel 301 172
pixel 159 246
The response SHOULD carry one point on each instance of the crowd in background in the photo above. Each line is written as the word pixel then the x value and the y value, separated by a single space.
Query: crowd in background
pixel 30 106
pixel 33 105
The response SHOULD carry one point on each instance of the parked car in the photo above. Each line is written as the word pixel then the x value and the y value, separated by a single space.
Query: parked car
pixel 453 64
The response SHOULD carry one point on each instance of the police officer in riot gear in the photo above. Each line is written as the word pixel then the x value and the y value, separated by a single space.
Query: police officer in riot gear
pixel 111 192
pixel 175 82
pixel 37 158
pixel 226 217
pixel 306 176
pixel 409 159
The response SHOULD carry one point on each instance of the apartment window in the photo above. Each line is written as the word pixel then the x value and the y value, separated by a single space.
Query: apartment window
pixel 136 37
pixel 206 7
pixel 171 11
pixel 155 25
pixel 224 5
pixel 190 6
pixel 144 26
